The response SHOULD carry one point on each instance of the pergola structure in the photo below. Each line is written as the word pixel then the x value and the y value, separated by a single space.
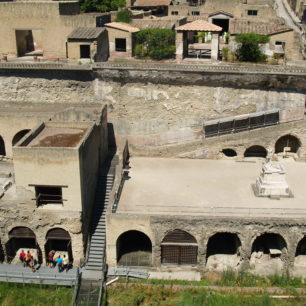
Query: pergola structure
pixel 196 27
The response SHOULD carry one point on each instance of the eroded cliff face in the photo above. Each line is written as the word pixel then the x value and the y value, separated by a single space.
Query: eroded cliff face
pixel 158 108
pixel 155 115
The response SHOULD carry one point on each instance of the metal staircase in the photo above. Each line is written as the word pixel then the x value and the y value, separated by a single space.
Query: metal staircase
pixel 97 245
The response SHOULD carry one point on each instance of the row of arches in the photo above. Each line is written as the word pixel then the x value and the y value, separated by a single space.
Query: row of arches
pixel 23 238
pixel 15 139
pixel 287 141
pixel 223 249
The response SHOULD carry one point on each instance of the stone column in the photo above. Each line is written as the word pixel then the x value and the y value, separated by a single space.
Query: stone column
pixel 215 46
pixel 179 42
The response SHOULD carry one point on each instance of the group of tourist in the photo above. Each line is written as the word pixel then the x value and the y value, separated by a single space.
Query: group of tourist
pixel 28 260
pixel 61 262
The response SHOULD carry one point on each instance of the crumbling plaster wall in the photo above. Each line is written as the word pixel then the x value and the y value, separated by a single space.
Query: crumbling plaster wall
pixel 202 228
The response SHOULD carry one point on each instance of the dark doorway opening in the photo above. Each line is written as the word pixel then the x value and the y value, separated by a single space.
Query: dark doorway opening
pixel 134 248
pixel 2 147
pixel 255 151
pixel 24 42
pixel 59 240
pixel 287 141
pixel 180 248
pixel 301 248
pixel 21 238
pixel 223 23
pixel 19 135
pixel 229 152
pixel 223 243
pixel 85 51
pixel 120 44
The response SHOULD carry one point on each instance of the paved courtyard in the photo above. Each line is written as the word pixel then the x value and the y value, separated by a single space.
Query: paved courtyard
pixel 213 187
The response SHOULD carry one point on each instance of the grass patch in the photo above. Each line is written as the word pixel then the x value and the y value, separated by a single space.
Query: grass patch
pixel 204 282
pixel 153 295
pixel 230 278
pixel 34 295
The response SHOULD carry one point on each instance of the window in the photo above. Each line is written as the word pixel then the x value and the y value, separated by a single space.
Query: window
pixel 174 13
pixel 195 13
pixel 48 194
pixel 120 44
pixel 252 13
pixel 84 51
pixel 279 43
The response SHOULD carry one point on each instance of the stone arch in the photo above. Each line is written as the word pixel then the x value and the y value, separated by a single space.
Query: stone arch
pixel 301 247
pixel 229 152
pixel 2 146
pixel 223 251
pixel 19 135
pixel 59 240
pixel 269 251
pixel 299 267
pixel 256 151
pixel 22 238
pixel 134 248
pixel 290 141
pixel 180 248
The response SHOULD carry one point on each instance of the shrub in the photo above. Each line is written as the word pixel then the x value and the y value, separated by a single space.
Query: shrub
pixel 249 50
pixel 124 16
pixel 155 43
pixel 101 5
pixel 225 53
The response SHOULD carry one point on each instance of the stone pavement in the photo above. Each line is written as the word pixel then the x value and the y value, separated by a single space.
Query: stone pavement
pixel 44 275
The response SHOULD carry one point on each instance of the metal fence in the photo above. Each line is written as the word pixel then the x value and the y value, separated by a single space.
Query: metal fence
pixel 39 278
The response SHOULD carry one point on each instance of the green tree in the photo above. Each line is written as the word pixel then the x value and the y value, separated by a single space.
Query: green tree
pixel 101 5
pixel 124 16
pixel 249 49
pixel 155 43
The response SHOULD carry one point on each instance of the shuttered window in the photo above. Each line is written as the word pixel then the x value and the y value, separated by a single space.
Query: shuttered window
pixel 180 248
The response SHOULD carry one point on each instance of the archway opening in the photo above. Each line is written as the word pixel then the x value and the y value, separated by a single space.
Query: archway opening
pixel 2 147
pixel 22 238
pixel 301 248
pixel 229 152
pixel 223 251
pixel 134 248
pixel 59 241
pixel 267 255
pixel 287 143
pixel 255 151
pixel 299 268
pixel 19 135
pixel 180 248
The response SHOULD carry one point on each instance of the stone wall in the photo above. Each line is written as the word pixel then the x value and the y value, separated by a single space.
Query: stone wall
pixel 40 221
pixel 202 228
pixel 155 109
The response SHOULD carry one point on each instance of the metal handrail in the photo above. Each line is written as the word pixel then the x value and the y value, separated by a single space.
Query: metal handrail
pixel 76 288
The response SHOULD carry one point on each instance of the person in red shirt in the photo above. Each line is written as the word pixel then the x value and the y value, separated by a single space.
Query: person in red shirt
pixel 28 258
pixel 22 257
